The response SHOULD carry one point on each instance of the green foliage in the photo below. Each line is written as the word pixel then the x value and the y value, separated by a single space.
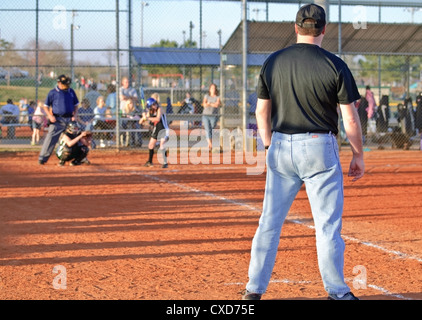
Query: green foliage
pixel 393 68
pixel 18 92
pixel 165 44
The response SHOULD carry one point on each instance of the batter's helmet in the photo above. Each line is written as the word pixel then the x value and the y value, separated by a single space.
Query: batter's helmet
pixel 151 102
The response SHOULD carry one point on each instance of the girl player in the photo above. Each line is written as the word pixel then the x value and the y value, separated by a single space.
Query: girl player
pixel 158 120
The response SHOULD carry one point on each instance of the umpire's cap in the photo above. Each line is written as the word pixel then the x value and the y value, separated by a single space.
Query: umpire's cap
pixel 311 11
pixel 64 80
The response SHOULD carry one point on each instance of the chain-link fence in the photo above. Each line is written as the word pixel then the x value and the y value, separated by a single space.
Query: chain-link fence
pixel 176 49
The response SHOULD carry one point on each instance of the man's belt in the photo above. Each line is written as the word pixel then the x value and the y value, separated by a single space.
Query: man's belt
pixel 66 115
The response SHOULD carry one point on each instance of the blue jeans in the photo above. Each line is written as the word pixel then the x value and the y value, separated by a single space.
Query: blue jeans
pixel 209 123
pixel 313 159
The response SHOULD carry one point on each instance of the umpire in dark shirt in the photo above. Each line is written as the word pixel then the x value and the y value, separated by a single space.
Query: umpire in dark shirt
pixel 298 91
pixel 61 106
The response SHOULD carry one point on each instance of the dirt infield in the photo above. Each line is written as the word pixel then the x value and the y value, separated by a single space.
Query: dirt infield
pixel 117 230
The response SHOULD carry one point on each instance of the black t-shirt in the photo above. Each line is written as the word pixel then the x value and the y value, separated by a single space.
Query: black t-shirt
pixel 305 83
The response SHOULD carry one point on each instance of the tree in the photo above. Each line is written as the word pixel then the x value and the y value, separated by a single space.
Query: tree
pixel 165 44
pixel 51 54
pixel 8 56
pixel 394 69
pixel 165 70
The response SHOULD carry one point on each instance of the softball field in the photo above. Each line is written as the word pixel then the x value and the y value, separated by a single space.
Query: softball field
pixel 116 230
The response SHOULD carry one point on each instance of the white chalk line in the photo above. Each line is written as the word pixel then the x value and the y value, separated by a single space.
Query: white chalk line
pixel 296 221
pixel 252 208
pixel 368 244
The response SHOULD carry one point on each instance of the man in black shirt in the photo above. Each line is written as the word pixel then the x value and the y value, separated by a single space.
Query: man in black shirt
pixel 299 90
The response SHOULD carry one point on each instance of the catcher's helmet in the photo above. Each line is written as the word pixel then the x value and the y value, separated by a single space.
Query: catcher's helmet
pixel 72 127
pixel 151 102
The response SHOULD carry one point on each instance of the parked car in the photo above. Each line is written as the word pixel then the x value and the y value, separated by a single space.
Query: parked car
pixel 3 73
pixel 18 73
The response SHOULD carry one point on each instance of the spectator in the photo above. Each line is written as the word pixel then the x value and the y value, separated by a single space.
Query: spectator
pixel 110 119
pixel 101 86
pixel 31 109
pixel 210 115
pixel 362 106
pixel 83 82
pixel 252 100
pixel 38 120
pixel 85 115
pixel 383 114
pixel 188 105
pixel 131 122
pixel 169 108
pixel 127 93
pixel 406 117
pixel 156 96
pixel 99 120
pixel 369 96
pixel 111 98
pixel 10 115
pixel 371 110
pixel 23 109
pixel 418 116
pixel 92 95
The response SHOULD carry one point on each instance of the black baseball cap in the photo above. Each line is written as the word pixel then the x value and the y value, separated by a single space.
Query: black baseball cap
pixel 64 80
pixel 311 11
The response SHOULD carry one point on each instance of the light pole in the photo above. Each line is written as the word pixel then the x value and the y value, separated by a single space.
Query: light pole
pixel 143 5
pixel 257 13
pixel 72 27
pixel 412 13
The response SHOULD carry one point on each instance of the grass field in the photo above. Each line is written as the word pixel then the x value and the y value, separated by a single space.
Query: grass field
pixel 16 93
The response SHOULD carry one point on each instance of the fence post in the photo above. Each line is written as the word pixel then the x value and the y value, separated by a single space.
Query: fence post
pixel 117 77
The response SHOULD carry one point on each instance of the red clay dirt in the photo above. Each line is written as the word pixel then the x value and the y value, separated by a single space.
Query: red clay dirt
pixel 118 230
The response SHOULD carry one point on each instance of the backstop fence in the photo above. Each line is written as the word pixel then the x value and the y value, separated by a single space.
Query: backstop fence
pixel 176 49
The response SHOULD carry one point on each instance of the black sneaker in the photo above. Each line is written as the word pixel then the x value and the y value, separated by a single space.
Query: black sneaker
pixel 40 162
pixel 347 296
pixel 148 164
pixel 246 295
pixel 165 165
pixel 75 163
pixel 86 161
pixel 61 163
